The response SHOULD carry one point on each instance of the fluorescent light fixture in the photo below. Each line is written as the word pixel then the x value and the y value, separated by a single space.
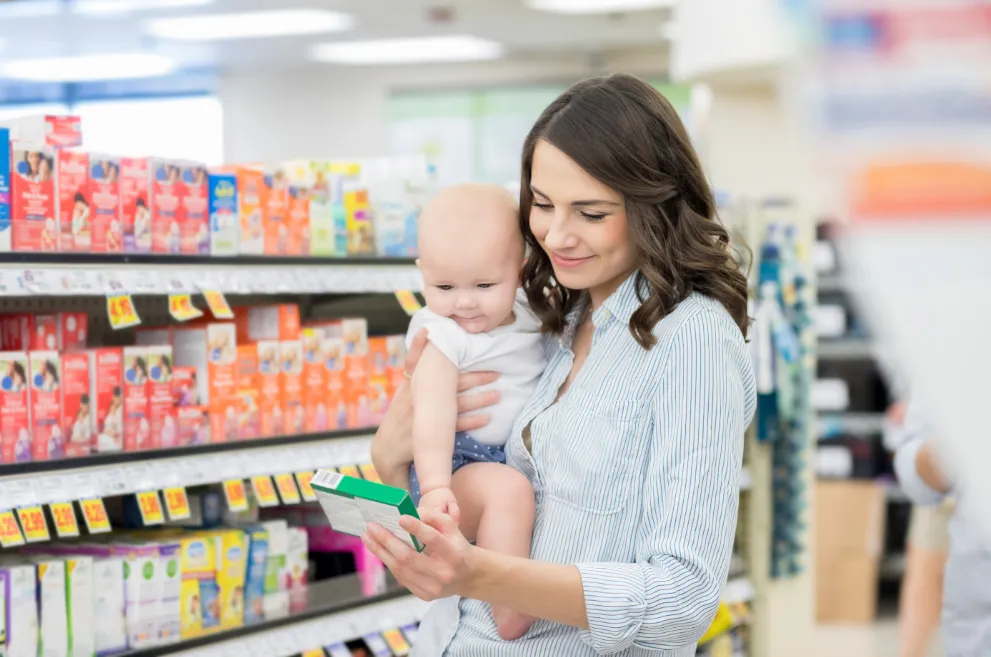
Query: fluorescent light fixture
pixel 99 7
pixel 84 68
pixel 250 25
pixel 30 9
pixel 414 50
pixel 598 6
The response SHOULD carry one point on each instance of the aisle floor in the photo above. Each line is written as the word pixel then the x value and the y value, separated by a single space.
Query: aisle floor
pixel 878 640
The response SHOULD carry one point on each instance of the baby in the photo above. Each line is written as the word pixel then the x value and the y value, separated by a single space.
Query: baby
pixel 471 256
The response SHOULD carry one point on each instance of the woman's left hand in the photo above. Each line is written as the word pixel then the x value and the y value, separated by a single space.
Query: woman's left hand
pixel 443 569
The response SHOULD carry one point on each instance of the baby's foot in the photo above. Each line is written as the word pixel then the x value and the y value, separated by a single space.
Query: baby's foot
pixel 511 625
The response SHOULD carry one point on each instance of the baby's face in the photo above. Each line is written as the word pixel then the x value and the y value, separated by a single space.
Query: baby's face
pixel 472 281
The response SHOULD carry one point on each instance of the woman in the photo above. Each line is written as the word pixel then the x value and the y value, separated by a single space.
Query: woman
pixel 634 437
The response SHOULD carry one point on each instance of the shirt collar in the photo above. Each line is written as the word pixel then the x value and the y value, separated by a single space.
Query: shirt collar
pixel 620 306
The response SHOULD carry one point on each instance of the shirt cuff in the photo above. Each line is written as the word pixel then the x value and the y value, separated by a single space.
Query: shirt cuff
pixel 615 602
pixel 908 475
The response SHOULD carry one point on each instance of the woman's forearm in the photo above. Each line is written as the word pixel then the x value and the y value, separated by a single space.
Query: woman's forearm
pixel 550 591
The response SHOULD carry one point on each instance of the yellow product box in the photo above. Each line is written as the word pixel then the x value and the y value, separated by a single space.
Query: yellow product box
pixel 231 563
pixel 199 593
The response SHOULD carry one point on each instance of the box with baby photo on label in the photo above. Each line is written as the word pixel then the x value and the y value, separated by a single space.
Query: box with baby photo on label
pixel 46 405
pixel 162 413
pixel 15 426
pixel 166 206
pixel 135 204
pixel 191 415
pixel 34 224
pixel 106 368
pixel 72 201
pixel 77 406
pixel 211 348
pixel 137 426
pixel 248 393
pixel 105 205
pixel 193 192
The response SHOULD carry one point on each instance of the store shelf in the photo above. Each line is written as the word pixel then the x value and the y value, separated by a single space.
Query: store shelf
pixel 845 349
pixel 63 274
pixel 861 424
pixel 336 611
pixel 121 474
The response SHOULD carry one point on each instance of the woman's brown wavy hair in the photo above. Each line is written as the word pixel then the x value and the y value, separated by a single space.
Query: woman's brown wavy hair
pixel 625 134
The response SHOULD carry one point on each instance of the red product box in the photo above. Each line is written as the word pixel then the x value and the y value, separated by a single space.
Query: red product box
pixel 191 414
pixel 77 406
pixel 107 397
pixel 32 198
pixel 73 329
pixel 194 199
pixel 166 208
pixel 47 442
pixel 135 204
pixel 56 130
pixel 105 206
pixel 137 428
pixel 44 333
pixel 162 414
pixel 72 200
pixel 15 423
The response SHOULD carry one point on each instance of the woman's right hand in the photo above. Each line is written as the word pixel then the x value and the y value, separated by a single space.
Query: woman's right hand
pixel 392 447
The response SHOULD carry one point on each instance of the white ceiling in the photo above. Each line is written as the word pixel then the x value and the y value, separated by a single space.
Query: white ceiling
pixel 524 32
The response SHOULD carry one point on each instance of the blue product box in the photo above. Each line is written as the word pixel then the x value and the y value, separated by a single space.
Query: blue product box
pixel 224 218
pixel 5 226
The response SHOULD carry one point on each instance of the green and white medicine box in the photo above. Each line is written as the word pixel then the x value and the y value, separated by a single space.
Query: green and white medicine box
pixel 350 504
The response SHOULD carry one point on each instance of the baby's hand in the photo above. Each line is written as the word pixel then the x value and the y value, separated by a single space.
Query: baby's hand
pixel 441 500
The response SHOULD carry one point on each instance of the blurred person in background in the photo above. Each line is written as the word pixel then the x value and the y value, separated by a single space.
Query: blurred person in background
pixel 921 598
pixel 966 608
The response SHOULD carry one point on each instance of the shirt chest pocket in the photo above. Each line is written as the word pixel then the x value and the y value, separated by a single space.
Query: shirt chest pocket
pixel 598 451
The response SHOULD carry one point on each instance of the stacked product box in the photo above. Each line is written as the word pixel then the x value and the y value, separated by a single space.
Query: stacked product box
pixel 275 331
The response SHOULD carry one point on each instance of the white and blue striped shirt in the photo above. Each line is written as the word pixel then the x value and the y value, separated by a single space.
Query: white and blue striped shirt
pixel 636 473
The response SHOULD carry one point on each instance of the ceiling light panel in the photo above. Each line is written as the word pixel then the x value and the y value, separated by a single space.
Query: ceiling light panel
pixel 413 50
pixel 578 7
pixel 87 68
pixel 110 7
pixel 250 25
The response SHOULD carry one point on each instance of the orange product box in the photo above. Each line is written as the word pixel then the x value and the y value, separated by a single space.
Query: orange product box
pixel 299 220
pixel 162 414
pixel 165 204
pixel 250 193
pixel 396 364
pixel 294 414
pixel 275 322
pixel 32 198
pixel 248 393
pixel 314 381
pixel 77 407
pixel 72 200
pixel 355 334
pixel 137 425
pixel 135 204
pixel 333 349
pixel 275 216
pixel 269 388
pixel 211 348
pixel 378 376
pixel 194 199
pixel 106 368
pixel 191 415
pixel 47 442
pixel 104 181
pixel 15 423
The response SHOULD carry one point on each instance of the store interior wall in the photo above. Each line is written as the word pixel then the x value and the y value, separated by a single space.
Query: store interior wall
pixel 333 112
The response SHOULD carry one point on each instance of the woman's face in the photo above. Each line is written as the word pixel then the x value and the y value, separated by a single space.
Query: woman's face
pixel 580 223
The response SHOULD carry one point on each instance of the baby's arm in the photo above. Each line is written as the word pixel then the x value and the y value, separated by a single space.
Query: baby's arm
pixel 435 411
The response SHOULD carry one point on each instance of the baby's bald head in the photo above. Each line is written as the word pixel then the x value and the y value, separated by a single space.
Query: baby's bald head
pixel 471 213
pixel 471 255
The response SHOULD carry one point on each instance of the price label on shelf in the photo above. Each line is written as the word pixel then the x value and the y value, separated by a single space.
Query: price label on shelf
pixel 150 505
pixel 34 524
pixel 287 488
pixel 264 491
pixel 36 281
pixel 64 517
pixel 177 503
pixel 218 304
pixel 397 642
pixel 79 281
pixel 408 301
pixel 10 531
pixel 304 480
pixel 144 282
pixel 182 309
pixel 237 497
pixel 315 652
pixel 412 632
pixel 7 288
pixel 377 644
pixel 121 311
pixel 338 650
pixel 95 515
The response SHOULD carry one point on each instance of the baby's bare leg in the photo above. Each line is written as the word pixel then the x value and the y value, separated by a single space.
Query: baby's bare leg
pixel 497 512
